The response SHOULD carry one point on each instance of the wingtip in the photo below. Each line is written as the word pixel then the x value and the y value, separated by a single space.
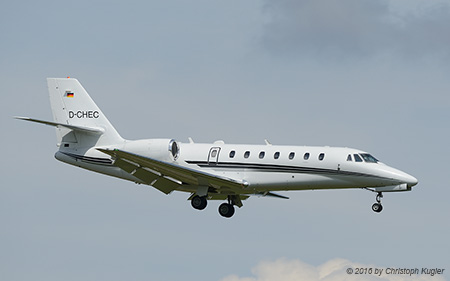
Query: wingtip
pixel 21 117
pixel 272 194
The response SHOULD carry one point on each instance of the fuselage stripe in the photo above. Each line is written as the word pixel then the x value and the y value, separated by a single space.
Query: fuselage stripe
pixel 277 168
pixel 92 160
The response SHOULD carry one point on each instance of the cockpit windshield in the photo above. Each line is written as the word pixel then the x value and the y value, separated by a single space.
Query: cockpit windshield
pixel 369 158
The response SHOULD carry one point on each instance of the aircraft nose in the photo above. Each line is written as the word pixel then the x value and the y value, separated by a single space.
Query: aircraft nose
pixel 411 181
pixel 408 179
pixel 401 177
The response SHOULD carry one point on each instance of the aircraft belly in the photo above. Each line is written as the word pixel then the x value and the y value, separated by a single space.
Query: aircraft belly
pixel 304 181
pixel 103 168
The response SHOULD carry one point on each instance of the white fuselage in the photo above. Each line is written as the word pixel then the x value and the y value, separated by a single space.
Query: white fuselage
pixel 263 167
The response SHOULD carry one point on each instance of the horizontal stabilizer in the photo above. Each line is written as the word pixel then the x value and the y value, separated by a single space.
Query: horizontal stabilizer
pixel 71 127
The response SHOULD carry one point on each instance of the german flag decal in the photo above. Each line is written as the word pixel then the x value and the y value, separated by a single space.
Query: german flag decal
pixel 69 95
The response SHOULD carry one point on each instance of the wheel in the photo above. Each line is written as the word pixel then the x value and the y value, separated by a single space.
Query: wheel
pixel 377 207
pixel 226 210
pixel 198 202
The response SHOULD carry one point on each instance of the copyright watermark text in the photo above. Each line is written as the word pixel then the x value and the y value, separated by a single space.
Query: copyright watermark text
pixel 395 271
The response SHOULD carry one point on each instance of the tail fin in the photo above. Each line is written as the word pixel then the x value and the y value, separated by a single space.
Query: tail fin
pixel 72 105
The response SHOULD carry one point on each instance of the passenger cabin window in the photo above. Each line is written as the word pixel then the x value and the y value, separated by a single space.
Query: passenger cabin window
pixel 349 157
pixel 321 156
pixel 276 155
pixel 247 154
pixel 306 156
pixel 369 158
pixel 262 154
pixel 232 153
pixel 357 158
pixel 291 155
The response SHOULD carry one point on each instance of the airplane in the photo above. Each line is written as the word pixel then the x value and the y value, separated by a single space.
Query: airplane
pixel 217 171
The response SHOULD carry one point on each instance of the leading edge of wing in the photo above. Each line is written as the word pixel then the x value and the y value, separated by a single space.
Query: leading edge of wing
pixel 183 174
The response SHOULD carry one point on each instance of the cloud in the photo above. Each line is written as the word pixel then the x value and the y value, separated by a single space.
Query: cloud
pixel 333 270
pixel 355 28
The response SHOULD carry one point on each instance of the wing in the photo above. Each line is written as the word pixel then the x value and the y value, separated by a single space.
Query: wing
pixel 167 177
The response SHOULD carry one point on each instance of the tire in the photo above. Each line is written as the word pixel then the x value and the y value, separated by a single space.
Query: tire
pixel 377 207
pixel 226 210
pixel 198 202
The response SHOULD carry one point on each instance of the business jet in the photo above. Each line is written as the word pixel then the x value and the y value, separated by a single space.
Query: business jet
pixel 217 171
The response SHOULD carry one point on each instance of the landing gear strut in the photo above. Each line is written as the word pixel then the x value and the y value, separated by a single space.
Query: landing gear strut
pixel 198 202
pixel 377 207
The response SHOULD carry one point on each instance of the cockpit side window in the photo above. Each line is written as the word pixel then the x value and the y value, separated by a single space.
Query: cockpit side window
pixel 349 157
pixel 369 158
pixel 357 158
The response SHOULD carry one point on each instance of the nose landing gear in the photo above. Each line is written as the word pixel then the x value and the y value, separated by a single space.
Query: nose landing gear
pixel 377 207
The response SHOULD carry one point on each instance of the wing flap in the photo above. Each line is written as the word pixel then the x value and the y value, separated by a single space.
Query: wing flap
pixel 165 185
pixel 126 166
pixel 146 176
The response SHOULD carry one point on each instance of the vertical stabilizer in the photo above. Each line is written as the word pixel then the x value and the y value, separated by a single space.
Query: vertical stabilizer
pixel 72 105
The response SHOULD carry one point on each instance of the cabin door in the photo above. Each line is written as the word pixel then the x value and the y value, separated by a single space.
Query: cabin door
pixel 213 156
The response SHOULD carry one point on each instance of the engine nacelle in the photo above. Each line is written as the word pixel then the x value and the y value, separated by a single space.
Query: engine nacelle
pixel 163 149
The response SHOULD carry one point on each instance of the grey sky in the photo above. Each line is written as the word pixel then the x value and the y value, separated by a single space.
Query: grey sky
pixel 364 74
pixel 355 28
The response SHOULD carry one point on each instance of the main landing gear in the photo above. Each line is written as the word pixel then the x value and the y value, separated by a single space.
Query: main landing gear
pixel 198 202
pixel 225 209
pixel 377 207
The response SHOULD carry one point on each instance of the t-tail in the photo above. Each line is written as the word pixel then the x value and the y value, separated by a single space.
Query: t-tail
pixel 80 124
